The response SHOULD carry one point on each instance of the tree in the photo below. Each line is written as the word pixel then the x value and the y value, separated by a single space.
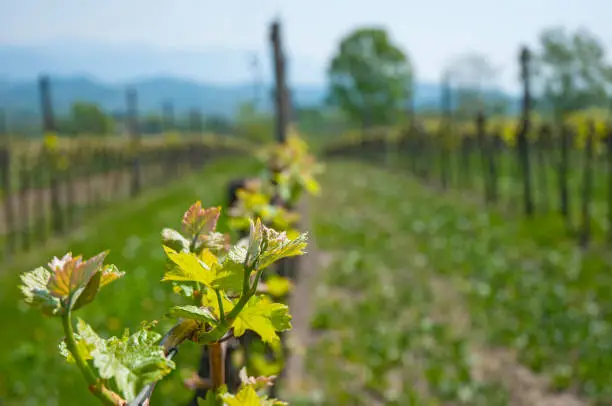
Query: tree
pixel 370 77
pixel 89 118
pixel 152 124
pixel 473 78
pixel 572 71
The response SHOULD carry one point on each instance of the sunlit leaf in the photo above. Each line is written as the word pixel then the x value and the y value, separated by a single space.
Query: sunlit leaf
pixel 248 396
pixel 267 245
pixel 131 361
pixel 82 347
pixel 183 289
pixel 35 292
pixel 71 274
pixel 100 279
pixel 263 317
pixel 210 300
pixel 69 282
pixel 278 286
pixel 198 220
pixel 238 253
pixel 89 293
pixel 109 274
pixel 190 268
pixel 203 268
pixel 312 186
pixel 256 238
pixel 193 312
pixel 173 239
pixel 214 241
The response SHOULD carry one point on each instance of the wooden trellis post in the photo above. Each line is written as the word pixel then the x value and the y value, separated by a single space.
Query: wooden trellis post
pixel 280 93
pixel 522 141
pixel 57 221
pixel 134 131
pixel 445 132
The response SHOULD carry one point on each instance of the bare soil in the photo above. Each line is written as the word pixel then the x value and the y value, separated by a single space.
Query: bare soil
pixel 302 307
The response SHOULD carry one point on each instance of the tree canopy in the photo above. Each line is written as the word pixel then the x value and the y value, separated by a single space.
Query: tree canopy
pixel 89 118
pixel 572 71
pixel 474 82
pixel 370 77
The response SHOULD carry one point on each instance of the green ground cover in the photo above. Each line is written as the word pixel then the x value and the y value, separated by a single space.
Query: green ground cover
pixel 31 370
pixel 425 288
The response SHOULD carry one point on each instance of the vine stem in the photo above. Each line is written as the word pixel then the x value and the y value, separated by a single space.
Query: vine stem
pixel 216 350
pixel 96 386
pixel 216 353
pixel 220 303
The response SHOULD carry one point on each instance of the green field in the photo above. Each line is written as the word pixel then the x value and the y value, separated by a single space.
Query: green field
pixel 31 370
pixel 429 298
pixel 423 298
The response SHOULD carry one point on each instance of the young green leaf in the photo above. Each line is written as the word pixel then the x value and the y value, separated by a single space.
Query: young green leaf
pixel 214 241
pixel 35 292
pixel 82 347
pixel 210 301
pixel 193 312
pixel 89 293
pixel 190 268
pixel 263 317
pixel 238 253
pixel 110 273
pixel 267 245
pixel 256 239
pixel 279 246
pixel 211 399
pixel 203 268
pixel 131 361
pixel 183 289
pixel 277 286
pixel 173 239
pixel 248 396
pixel 198 220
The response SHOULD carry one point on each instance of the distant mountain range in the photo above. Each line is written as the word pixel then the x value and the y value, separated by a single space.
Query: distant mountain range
pixel 152 93
pixel 216 82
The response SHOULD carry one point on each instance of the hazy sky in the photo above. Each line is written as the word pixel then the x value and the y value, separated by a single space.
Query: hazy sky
pixel 431 31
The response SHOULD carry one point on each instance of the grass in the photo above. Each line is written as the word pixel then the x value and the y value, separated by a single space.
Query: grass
pixel 528 285
pixel 428 290
pixel 528 282
pixel 31 370
pixel 422 291
pixel 384 332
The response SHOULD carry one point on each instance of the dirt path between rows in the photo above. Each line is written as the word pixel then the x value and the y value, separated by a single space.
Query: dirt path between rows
pixel 302 306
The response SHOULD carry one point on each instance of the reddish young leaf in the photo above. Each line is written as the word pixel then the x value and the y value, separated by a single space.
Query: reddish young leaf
pixel 198 220
pixel 70 274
